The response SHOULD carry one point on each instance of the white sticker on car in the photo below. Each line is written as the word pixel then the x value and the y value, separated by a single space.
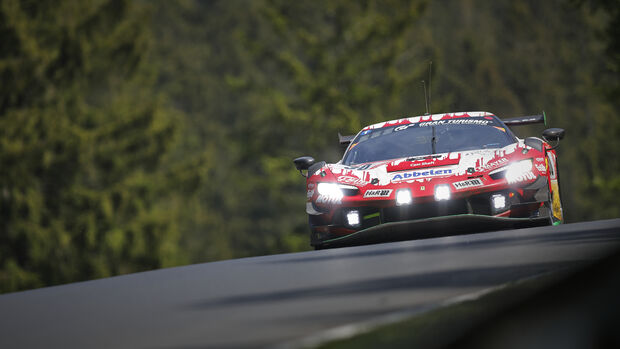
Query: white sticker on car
pixel 541 168
pixel 352 181
pixel 377 193
pixel 470 183
pixel 528 176
pixel 329 200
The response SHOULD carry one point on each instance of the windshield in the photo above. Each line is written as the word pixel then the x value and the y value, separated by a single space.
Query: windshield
pixel 426 138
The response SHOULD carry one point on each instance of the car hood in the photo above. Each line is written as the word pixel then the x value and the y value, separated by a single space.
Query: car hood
pixel 424 168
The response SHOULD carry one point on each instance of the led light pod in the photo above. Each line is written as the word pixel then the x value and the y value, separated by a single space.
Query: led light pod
pixel 353 218
pixel 498 202
pixel 403 197
pixel 442 192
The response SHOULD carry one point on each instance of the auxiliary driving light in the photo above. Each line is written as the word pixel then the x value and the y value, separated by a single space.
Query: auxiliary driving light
pixel 353 218
pixel 442 192
pixel 498 201
pixel 403 197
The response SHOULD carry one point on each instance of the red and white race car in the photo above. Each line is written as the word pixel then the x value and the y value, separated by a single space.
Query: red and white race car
pixel 433 175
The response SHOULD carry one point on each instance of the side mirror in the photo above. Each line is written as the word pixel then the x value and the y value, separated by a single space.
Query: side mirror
pixel 304 162
pixel 553 134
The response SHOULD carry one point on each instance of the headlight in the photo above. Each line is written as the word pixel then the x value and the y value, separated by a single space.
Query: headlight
pixel 442 192
pixel 519 171
pixel 331 190
pixel 403 197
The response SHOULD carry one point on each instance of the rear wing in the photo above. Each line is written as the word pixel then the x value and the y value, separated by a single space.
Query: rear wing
pixel 345 139
pixel 527 120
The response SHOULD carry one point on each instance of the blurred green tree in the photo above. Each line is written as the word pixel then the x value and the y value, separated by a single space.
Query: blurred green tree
pixel 521 57
pixel 601 135
pixel 138 135
pixel 265 81
pixel 82 139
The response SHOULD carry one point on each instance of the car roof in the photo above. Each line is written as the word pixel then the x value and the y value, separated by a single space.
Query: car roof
pixel 433 117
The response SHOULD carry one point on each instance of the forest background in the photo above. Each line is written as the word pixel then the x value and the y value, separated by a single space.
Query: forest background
pixel 137 135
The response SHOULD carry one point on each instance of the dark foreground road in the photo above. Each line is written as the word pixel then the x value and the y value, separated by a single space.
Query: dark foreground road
pixel 271 300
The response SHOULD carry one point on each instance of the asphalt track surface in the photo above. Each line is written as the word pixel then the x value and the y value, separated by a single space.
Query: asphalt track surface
pixel 281 299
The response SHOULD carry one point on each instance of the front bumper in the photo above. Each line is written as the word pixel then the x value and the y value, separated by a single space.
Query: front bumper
pixel 425 228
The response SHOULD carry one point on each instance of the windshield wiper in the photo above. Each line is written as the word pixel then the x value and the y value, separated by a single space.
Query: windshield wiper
pixel 434 141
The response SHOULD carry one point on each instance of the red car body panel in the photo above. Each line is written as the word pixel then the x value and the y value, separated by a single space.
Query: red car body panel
pixel 472 176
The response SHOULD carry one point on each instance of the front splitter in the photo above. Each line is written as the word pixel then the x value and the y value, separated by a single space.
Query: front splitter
pixel 430 227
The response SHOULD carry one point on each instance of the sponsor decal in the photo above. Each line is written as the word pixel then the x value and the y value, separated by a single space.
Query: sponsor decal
pixel 310 193
pixel 541 168
pixel 492 165
pixel 351 180
pixel 524 177
pixel 324 199
pixel 421 162
pixel 377 193
pixel 404 127
pixel 403 176
pixel 455 122
pixel 310 185
pixel 459 121
pixel 540 159
pixel 470 183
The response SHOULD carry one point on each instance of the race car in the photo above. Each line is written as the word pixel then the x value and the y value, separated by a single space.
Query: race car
pixel 433 175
